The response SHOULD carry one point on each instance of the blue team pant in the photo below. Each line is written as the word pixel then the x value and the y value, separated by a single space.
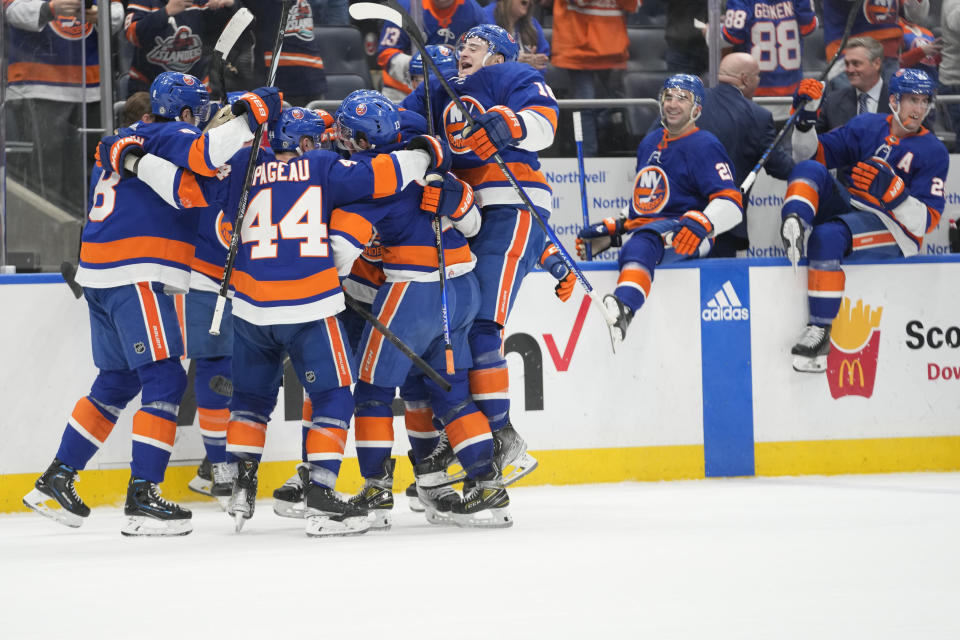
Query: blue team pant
pixel 212 355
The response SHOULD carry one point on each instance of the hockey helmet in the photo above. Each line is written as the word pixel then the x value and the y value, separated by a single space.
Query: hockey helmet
pixel 367 115
pixel 497 38
pixel 442 55
pixel 292 125
pixel 912 81
pixel 686 82
pixel 172 91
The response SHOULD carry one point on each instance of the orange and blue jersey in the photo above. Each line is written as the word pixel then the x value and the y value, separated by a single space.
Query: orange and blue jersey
pixel 515 85
pixel 913 57
pixel 300 69
pixel 876 18
pixel 771 31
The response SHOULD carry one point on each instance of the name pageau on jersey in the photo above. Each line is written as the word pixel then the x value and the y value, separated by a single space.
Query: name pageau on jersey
pixel 676 175
pixel 920 160
pixel 515 85
pixel 770 31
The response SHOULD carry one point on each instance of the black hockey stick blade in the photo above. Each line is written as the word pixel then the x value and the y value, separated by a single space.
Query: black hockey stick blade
pixel 69 273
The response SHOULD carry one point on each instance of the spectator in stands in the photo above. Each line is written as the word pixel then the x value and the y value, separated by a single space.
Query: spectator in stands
pixel 169 35
pixel 876 19
pixel 950 63
pixel 590 41
pixel 863 90
pixel 46 98
pixel 444 21
pixel 920 49
pixel 686 46
pixel 515 16
pixel 745 129
pixel 135 108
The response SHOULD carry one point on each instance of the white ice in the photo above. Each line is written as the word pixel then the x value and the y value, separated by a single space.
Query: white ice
pixel 813 557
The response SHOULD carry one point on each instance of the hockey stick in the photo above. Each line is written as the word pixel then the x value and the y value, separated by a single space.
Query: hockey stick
pixel 752 176
pixel 227 41
pixel 578 138
pixel 247 182
pixel 69 273
pixel 393 12
pixel 398 343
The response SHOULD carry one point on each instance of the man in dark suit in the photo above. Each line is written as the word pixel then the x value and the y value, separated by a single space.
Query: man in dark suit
pixel 745 130
pixel 866 91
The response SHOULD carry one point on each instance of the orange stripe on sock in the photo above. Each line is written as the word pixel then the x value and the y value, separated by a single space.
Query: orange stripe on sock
pixel 213 419
pixel 803 190
pixel 419 420
pixel 87 417
pixel 246 434
pixel 154 325
pixel 833 281
pixel 374 428
pixel 466 427
pixel 638 276
pixel 323 440
pixel 484 381
pixel 154 427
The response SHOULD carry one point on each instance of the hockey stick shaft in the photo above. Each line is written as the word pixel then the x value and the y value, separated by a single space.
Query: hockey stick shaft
pixel 247 182
pixel 752 176
pixel 578 138
pixel 395 340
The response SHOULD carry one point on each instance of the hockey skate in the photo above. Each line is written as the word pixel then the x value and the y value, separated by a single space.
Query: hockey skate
pixel 510 454
pixel 224 473
pixel 413 500
pixel 376 497
pixel 148 514
pixel 434 491
pixel 243 500
pixel 810 352
pixel 203 481
pixel 56 487
pixel 328 515
pixel 440 459
pixel 485 503
pixel 791 232
pixel 288 499
pixel 623 313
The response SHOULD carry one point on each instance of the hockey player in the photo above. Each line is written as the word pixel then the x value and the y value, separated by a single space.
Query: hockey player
pixel 443 56
pixel 516 116
pixel 889 196
pixel 443 22
pixel 135 249
pixel 683 196
pixel 288 294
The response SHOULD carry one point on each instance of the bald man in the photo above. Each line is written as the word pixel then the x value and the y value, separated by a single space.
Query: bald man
pixel 745 129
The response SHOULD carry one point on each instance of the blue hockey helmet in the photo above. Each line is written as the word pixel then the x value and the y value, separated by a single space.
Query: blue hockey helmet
pixel 442 55
pixel 686 82
pixel 912 81
pixel 367 115
pixel 171 92
pixel 292 125
pixel 497 38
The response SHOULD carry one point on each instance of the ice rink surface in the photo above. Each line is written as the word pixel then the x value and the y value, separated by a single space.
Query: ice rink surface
pixel 812 557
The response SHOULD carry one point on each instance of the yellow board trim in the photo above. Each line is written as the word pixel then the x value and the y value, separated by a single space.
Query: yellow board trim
pixel 877 455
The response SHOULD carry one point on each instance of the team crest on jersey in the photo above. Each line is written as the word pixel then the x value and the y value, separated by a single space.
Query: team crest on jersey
pixel 69 28
pixel 447 35
pixel 178 52
pixel 880 11
pixel 300 22
pixel 224 230
pixel 453 123
pixel 651 190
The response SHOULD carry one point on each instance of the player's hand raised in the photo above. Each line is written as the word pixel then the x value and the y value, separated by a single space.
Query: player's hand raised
pixel 433 146
pixel 807 100
pixel 261 106
pixel 113 151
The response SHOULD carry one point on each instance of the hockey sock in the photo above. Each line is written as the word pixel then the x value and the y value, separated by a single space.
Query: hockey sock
pixel 467 428
pixel 155 424
pixel 633 285
pixel 247 429
pixel 825 279
pixel 489 379
pixel 213 390
pixel 808 183
pixel 422 428
pixel 374 426
pixel 306 421
pixel 95 415
pixel 332 410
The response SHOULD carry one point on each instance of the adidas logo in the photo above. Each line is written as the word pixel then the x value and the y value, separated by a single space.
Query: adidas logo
pixel 725 305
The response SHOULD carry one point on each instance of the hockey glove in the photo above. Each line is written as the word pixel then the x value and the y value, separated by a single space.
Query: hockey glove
pixel 807 100
pixel 875 182
pixel 495 130
pixel 551 261
pixel 438 152
pixel 600 237
pixel 451 198
pixel 694 227
pixel 261 106
pixel 112 152
pixel 329 131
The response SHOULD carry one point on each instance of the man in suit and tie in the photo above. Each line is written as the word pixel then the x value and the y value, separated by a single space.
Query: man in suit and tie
pixel 866 92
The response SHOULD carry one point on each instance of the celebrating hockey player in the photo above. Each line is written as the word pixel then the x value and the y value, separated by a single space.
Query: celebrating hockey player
pixel 889 196
pixel 516 116
pixel 683 196
pixel 287 294
pixel 135 249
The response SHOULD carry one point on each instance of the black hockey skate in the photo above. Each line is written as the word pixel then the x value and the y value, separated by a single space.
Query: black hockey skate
pixel 440 459
pixel 510 454
pixel 623 315
pixel 243 500
pixel 413 500
pixel 224 473
pixel 485 503
pixel 148 514
pixel 810 352
pixel 433 485
pixel 328 515
pixel 376 497
pixel 288 499
pixel 56 487
pixel 203 481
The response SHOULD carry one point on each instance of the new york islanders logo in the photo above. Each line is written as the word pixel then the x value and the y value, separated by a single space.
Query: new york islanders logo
pixel 854 349
pixel 361 109
pixel 880 11
pixel 69 27
pixel 651 190
pixel 454 123
pixel 224 230
pixel 297 114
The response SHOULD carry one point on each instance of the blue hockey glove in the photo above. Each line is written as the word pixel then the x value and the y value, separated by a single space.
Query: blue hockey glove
pixel 437 149
pixel 694 227
pixel 807 100
pixel 551 261
pixel 495 130
pixel 600 236
pixel 113 150
pixel 261 106
pixel 451 198
pixel 875 182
